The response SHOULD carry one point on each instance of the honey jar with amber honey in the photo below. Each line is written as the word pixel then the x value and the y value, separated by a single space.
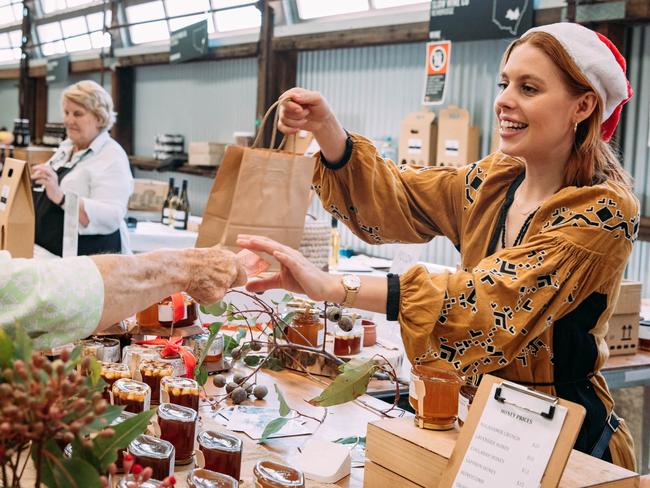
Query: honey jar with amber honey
pixel 157 454
pixel 269 474
pixel 433 394
pixel 306 329
pixel 134 395
pixel 151 372
pixel 221 452
pixel 180 391
pixel 204 478
pixel 110 373
pixel 178 426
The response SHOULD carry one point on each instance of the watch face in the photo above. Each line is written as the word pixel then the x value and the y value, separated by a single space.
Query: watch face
pixel 352 281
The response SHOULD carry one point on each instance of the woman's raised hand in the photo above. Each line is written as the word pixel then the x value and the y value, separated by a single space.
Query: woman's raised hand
pixel 303 110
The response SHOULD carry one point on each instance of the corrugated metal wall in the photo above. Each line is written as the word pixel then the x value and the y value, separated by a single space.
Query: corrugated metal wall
pixel 8 103
pixel 56 89
pixel 637 142
pixel 204 101
pixel 372 88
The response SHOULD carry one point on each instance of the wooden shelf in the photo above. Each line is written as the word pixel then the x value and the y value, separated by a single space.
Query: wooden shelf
pixel 149 164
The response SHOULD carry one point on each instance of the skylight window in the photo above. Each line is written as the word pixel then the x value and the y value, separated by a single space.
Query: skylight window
pixel 311 9
pixel 11 11
pixel 182 7
pixel 50 6
pixel 396 3
pixel 238 18
pixel 10 46
pixel 150 31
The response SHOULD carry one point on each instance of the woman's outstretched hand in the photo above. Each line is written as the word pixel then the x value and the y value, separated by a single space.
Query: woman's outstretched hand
pixel 296 273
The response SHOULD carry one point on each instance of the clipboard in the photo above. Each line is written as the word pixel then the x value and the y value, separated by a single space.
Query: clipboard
pixel 568 434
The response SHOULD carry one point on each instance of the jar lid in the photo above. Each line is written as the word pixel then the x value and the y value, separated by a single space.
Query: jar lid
pixel 171 411
pixel 279 473
pixel 204 478
pixel 151 447
pixel 185 385
pixel 218 440
pixel 131 389
pixel 156 367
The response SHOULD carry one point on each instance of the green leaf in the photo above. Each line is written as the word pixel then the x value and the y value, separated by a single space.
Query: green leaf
pixel 287 298
pixel 284 408
pixel 58 472
pixel 252 360
pixel 6 349
pixel 358 440
pixel 75 356
pixel 103 420
pixel 215 327
pixel 229 343
pixel 272 427
pixel 287 317
pixel 350 384
pixel 241 333
pixel 81 452
pixel 274 364
pixel 95 370
pixel 201 375
pixel 216 309
pixel 22 344
pixel 105 449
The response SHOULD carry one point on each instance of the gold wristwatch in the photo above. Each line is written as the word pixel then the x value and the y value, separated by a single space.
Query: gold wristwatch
pixel 351 284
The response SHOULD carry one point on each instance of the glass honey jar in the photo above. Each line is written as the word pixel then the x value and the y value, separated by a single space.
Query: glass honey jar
pixel 465 399
pixel 269 474
pixel 433 394
pixel 110 373
pixel 306 329
pixel 222 452
pixel 178 426
pixel 204 478
pixel 180 391
pixel 151 372
pixel 158 454
pixel 134 395
pixel 166 312
pixel 348 343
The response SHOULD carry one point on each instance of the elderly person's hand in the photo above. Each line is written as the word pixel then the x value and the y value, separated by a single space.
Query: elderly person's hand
pixel 296 273
pixel 212 271
pixel 43 174
pixel 303 110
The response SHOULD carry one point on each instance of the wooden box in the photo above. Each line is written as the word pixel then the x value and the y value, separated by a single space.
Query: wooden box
pixel 400 454
pixel 623 334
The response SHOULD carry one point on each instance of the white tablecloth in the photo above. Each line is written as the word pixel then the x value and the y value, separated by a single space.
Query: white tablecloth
pixel 149 236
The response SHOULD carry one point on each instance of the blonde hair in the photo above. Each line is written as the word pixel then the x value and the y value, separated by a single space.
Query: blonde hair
pixel 592 160
pixel 93 98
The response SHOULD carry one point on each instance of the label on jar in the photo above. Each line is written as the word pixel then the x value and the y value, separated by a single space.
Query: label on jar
pixel 166 313
pixel 463 407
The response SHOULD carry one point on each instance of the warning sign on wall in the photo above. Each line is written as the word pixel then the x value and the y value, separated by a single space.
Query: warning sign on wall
pixel 438 54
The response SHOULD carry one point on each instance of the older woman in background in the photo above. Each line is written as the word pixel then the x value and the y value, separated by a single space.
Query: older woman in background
pixel 90 164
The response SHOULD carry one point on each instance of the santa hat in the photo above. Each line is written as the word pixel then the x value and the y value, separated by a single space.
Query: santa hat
pixel 602 64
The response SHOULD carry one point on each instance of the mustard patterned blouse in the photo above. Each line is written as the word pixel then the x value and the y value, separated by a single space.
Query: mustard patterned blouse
pixel 518 313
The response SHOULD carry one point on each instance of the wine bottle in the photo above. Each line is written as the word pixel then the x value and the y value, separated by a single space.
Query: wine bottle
pixel 173 203
pixel 182 210
pixel 165 207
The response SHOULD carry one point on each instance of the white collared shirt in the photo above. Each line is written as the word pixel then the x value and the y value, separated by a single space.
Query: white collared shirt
pixel 102 178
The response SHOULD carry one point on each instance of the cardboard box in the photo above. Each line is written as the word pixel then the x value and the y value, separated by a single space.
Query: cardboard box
pixel 17 221
pixel 458 141
pixel 623 334
pixel 148 195
pixel 34 154
pixel 417 139
pixel 206 153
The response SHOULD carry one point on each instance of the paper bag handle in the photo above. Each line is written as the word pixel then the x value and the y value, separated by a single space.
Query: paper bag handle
pixel 260 129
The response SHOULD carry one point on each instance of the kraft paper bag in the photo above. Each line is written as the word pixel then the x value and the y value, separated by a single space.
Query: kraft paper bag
pixel 258 191
pixel 17 220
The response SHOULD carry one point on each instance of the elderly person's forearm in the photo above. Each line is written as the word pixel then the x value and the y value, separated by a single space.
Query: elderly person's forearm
pixel 132 283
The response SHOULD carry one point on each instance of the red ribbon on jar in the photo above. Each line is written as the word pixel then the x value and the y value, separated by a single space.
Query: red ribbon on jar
pixel 172 347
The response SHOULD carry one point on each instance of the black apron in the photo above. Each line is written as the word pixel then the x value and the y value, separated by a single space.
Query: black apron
pixel 49 228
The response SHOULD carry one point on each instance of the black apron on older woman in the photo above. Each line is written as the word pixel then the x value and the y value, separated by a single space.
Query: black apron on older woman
pixel 49 227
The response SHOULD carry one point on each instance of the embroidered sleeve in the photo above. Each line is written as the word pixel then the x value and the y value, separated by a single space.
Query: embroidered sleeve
pixel 382 202
pixel 479 320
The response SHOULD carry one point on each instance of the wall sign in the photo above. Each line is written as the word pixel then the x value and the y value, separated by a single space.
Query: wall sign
pixel 188 43
pixel 470 20
pixel 57 69
pixel 438 56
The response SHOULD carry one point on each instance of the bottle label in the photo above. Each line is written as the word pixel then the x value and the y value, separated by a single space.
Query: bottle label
pixel 463 407
pixel 179 219
pixel 165 216
pixel 166 313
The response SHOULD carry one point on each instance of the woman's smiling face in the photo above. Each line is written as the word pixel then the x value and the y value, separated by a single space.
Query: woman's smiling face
pixel 535 110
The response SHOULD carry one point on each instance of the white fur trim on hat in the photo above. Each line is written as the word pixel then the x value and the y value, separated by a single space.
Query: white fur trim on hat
pixel 595 59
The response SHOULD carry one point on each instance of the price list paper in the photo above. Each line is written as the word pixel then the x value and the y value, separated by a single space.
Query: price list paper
pixel 512 443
